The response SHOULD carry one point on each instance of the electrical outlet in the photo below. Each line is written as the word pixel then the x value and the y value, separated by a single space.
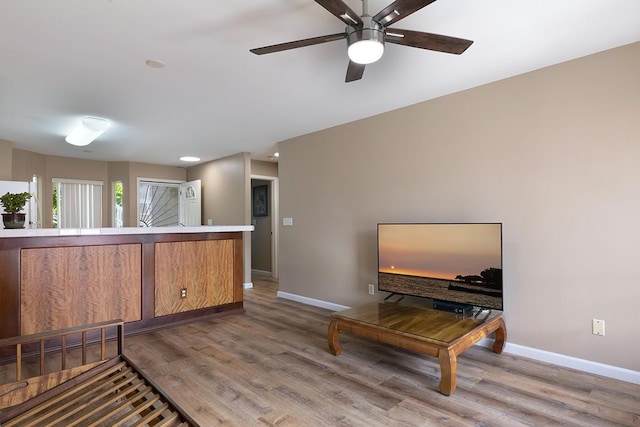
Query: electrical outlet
pixel 183 293
pixel 372 289
pixel 597 327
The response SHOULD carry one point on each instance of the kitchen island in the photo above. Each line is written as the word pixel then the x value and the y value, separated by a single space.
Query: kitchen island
pixel 149 277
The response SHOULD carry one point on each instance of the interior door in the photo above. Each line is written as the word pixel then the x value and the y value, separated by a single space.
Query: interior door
pixel 190 203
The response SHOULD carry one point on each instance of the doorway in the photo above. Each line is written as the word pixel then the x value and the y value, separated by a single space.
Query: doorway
pixel 166 203
pixel 264 216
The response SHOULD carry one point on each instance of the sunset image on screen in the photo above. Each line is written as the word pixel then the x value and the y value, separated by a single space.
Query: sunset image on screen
pixel 443 251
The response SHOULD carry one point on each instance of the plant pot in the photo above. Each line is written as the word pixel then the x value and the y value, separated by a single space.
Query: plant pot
pixel 14 220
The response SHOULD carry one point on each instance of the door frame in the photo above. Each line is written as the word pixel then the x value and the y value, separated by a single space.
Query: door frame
pixel 274 204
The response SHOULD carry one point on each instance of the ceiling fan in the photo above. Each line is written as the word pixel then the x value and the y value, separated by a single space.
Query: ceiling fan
pixel 366 35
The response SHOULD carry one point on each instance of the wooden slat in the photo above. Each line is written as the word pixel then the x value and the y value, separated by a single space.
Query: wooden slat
pixel 95 397
pixel 103 341
pixel 88 406
pixel 84 347
pixel 18 362
pixel 42 357
pixel 167 421
pixel 45 382
pixel 126 410
pixel 36 337
pixel 99 395
pixel 63 351
pixel 17 392
pixel 185 416
pixel 151 415
pixel 60 397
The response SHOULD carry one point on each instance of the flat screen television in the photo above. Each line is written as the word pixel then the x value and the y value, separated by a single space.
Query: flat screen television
pixel 450 263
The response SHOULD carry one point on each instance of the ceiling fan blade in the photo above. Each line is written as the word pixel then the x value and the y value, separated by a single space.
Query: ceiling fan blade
pixel 428 41
pixel 398 10
pixel 341 11
pixel 298 43
pixel 354 72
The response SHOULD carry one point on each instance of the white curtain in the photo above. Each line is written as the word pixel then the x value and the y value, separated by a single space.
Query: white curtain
pixel 79 203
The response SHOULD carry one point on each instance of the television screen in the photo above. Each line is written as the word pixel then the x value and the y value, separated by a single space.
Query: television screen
pixel 459 263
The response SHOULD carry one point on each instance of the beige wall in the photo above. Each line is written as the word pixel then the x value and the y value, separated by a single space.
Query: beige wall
pixel 26 164
pixel 223 189
pixel 259 167
pixel 551 154
pixel 6 165
pixel 226 196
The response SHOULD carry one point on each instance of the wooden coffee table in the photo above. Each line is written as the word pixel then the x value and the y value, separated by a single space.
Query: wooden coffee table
pixel 418 328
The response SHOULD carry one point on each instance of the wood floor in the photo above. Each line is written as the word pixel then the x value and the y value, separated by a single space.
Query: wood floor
pixel 271 366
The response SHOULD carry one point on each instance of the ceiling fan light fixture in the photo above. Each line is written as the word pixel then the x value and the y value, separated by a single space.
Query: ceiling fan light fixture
pixel 87 130
pixel 366 45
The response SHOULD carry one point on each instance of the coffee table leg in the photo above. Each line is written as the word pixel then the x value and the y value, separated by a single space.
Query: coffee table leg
pixel 448 362
pixel 501 337
pixel 333 335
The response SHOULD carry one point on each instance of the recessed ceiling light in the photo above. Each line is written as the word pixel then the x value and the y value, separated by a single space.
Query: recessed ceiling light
pixel 154 63
pixel 276 154
pixel 190 159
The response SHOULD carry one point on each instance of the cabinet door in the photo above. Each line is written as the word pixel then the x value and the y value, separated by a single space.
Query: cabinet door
pixel 72 286
pixel 192 275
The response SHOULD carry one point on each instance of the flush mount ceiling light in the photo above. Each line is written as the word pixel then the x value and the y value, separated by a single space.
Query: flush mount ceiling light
pixel 89 129
pixel 190 159
pixel 366 45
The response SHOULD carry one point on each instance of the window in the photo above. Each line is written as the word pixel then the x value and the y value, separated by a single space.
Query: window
pixel 77 203
pixel 158 203
pixel 167 203
pixel 35 210
pixel 118 219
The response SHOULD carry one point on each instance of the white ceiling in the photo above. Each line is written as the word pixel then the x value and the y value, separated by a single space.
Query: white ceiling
pixel 63 59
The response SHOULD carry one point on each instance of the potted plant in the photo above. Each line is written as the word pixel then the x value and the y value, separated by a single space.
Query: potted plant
pixel 13 203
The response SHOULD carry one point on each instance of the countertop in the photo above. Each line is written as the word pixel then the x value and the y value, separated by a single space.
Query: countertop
pixel 47 232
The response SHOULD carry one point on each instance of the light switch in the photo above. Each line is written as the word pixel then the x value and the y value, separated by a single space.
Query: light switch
pixel 287 221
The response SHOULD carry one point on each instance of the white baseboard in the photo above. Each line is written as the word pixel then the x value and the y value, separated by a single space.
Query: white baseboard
pixel 583 365
pixel 311 301
pixel 568 361
pixel 247 285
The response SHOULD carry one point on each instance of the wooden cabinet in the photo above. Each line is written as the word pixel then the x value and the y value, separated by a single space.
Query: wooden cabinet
pixel 71 286
pixel 54 282
pixel 193 275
